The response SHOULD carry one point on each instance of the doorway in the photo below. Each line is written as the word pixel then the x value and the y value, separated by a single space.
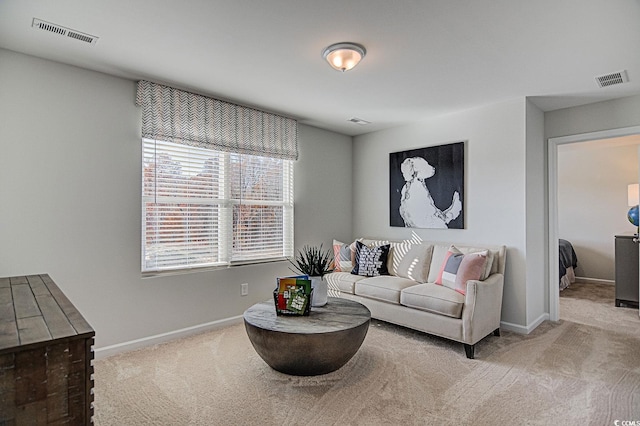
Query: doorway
pixel 553 143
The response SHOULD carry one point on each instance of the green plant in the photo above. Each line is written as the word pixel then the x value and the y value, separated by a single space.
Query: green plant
pixel 312 261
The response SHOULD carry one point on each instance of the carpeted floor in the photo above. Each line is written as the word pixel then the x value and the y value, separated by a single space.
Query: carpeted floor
pixel 583 370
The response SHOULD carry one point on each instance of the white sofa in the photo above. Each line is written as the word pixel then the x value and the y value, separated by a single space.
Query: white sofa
pixel 409 297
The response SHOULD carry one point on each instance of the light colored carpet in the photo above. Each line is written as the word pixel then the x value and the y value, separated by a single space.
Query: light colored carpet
pixel 582 370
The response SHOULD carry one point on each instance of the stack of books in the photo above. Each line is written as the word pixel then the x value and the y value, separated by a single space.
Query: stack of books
pixel 293 295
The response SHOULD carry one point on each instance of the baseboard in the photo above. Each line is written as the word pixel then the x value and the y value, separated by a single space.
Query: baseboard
pixel 118 348
pixel 521 329
pixel 164 337
pixel 595 281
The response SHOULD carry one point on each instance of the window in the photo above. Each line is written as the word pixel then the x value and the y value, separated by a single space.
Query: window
pixel 217 181
pixel 203 207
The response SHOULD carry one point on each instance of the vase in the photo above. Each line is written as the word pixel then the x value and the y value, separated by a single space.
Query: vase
pixel 319 286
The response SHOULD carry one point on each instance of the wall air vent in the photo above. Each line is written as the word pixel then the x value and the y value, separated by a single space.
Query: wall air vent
pixel 359 121
pixel 613 78
pixel 39 24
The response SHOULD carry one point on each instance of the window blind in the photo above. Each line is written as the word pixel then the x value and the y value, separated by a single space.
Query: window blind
pixel 175 115
pixel 262 206
pixel 203 207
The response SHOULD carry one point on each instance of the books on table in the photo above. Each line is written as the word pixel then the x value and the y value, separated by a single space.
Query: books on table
pixel 293 295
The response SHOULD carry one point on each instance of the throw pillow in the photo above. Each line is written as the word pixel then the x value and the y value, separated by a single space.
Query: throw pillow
pixel 342 257
pixel 469 250
pixel 372 243
pixel 371 261
pixel 410 260
pixel 458 268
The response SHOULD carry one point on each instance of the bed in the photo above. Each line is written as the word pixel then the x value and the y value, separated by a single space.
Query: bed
pixel 568 263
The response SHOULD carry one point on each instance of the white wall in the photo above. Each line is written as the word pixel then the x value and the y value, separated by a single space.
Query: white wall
pixel 70 165
pixel 495 205
pixel 592 201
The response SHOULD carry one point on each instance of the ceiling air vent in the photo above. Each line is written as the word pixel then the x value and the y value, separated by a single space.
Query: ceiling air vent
pixel 613 78
pixel 63 31
pixel 359 121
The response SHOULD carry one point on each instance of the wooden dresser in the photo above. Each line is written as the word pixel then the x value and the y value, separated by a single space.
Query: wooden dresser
pixel 46 354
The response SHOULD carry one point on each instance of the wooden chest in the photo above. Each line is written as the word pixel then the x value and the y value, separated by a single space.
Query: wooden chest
pixel 46 354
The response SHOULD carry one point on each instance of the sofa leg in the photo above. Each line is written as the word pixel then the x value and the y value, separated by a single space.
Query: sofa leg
pixel 496 332
pixel 469 349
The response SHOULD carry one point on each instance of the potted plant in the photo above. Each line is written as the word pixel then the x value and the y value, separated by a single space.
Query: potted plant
pixel 314 262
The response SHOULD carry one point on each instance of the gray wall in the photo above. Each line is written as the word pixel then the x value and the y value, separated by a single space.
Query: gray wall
pixel 535 218
pixel 495 204
pixel 615 114
pixel 323 196
pixel 70 203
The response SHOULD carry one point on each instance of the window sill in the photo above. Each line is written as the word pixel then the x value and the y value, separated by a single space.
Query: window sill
pixel 166 273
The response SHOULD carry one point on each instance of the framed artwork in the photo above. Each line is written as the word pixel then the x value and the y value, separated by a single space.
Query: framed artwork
pixel 426 187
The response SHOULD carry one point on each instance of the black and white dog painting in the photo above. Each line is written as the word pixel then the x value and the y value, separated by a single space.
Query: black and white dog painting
pixel 427 187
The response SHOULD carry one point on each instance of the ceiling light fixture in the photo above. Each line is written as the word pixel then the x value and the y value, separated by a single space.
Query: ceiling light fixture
pixel 344 56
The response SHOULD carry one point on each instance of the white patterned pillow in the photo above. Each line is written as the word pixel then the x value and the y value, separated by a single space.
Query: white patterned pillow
pixel 410 260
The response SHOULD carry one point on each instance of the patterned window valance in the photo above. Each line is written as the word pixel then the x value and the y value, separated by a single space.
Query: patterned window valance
pixel 177 116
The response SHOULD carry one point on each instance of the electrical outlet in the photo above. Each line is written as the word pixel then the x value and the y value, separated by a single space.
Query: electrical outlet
pixel 244 289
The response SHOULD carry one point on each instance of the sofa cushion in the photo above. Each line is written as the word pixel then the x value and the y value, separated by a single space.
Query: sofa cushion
pixel 386 288
pixel 433 298
pixel 371 261
pixel 342 282
pixel 410 260
pixel 458 268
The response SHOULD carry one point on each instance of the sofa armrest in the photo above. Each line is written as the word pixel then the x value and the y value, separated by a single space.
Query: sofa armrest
pixel 482 308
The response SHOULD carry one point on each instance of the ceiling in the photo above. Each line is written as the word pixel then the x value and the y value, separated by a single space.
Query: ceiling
pixel 424 58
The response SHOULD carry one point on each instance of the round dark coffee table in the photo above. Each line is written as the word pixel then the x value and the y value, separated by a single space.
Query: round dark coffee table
pixel 308 345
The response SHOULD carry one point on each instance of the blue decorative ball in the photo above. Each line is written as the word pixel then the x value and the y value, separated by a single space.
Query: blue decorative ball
pixel 632 215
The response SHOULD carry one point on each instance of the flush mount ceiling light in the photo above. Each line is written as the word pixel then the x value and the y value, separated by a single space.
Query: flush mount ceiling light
pixel 344 56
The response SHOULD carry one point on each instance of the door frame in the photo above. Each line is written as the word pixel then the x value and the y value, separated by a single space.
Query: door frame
pixel 553 143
